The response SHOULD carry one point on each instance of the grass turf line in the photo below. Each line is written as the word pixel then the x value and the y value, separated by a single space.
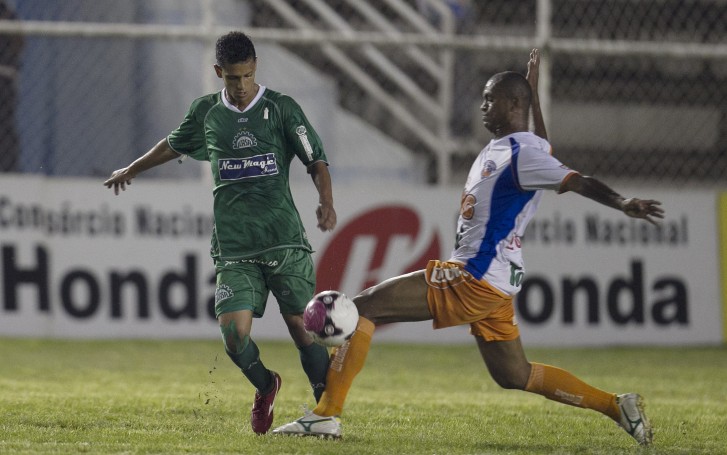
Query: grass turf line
pixel 187 397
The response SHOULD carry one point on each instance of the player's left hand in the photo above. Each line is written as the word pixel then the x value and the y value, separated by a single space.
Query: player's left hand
pixel 643 208
pixel 533 70
pixel 326 217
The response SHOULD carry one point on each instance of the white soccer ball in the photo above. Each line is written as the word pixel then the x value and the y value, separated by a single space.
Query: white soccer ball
pixel 330 318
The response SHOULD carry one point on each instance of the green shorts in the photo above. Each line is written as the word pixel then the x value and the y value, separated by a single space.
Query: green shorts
pixel 245 284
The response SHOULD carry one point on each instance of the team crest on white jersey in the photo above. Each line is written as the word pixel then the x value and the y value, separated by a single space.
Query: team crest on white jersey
pixel 244 139
pixel 488 168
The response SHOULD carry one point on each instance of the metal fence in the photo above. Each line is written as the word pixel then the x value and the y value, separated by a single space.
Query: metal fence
pixel 632 89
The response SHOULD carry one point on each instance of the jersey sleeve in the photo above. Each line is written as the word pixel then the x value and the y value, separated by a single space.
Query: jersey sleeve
pixel 537 169
pixel 299 133
pixel 188 138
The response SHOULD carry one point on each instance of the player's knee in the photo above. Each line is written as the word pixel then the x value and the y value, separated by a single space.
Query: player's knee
pixel 510 380
pixel 239 347
pixel 235 342
pixel 296 329
pixel 507 383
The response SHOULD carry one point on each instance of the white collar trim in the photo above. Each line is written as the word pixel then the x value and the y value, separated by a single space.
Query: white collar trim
pixel 252 104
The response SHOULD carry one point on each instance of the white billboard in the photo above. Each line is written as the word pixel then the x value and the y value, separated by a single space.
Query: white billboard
pixel 77 261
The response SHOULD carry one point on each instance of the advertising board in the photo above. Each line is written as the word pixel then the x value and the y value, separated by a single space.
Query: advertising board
pixel 78 262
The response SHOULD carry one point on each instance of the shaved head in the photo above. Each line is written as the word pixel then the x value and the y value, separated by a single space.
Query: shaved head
pixel 506 103
pixel 513 85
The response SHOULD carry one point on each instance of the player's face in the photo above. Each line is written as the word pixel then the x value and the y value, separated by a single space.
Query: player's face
pixel 239 80
pixel 494 107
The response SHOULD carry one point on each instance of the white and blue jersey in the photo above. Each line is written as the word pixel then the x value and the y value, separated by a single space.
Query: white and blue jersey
pixel 500 197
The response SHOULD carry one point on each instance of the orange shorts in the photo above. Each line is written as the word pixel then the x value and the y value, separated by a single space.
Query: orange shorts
pixel 455 297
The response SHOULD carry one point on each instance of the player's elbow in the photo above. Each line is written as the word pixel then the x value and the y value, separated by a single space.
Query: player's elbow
pixel 572 182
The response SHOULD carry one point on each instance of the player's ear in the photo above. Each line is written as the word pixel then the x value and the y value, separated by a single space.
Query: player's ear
pixel 218 70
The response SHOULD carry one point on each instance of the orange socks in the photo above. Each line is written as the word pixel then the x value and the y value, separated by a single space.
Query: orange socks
pixel 346 362
pixel 551 382
pixel 559 385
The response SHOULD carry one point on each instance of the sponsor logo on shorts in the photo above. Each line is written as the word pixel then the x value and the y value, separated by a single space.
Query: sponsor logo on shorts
pixel 222 293
pixel 254 261
pixel 445 275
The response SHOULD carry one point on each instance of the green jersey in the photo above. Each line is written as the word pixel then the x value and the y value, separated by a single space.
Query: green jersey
pixel 250 154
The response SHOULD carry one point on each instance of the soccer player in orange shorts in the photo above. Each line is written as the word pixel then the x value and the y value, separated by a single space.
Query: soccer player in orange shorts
pixel 477 284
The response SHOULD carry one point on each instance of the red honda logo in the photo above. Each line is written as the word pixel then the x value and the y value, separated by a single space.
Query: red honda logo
pixel 372 236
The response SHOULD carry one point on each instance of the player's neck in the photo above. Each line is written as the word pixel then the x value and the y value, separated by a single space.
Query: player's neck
pixel 502 132
pixel 244 103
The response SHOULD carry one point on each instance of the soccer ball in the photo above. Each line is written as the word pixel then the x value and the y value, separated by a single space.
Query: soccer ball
pixel 330 318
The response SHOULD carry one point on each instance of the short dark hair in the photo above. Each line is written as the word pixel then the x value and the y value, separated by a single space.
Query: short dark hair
pixel 235 47
pixel 514 85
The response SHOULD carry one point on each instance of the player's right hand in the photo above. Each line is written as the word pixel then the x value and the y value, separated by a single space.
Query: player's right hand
pixel 118 180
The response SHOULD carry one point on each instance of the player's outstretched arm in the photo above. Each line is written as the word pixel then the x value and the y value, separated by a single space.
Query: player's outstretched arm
pixel 646 209
pixel 325 212
pixel 532 77
pixel 159 154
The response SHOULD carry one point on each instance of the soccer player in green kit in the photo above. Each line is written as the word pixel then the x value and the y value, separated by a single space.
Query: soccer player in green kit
pixel 250 135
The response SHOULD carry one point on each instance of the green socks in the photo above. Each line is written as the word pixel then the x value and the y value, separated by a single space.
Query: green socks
pixel 315 359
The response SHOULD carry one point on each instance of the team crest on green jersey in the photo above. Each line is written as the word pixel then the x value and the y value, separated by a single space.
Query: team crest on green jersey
pixel 244 139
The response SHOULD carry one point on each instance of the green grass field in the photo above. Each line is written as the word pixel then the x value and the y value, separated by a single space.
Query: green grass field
pixel 170 397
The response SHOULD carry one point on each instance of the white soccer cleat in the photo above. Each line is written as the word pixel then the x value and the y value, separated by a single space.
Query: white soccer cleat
pixel 312 425
pixel 633 418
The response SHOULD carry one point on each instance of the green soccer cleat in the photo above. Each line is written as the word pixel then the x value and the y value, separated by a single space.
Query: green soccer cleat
pixel 312 425
pixel 633 418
